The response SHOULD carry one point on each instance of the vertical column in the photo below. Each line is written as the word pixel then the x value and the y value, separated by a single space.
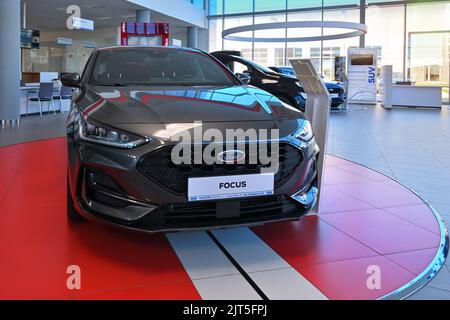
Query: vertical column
pixel 362 19
pixel 192 37
pixel 386 75
pixel 119 36
pixel 406 34
pixel 143 16
pixel 9 61
pixel 321 42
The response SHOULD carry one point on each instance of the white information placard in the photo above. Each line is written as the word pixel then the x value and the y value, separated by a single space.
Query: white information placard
pixel 82 24
pixel 226 187
pixel 362 75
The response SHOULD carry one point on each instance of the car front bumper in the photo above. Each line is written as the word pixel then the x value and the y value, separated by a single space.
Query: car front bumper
pixel 336 102
pixel 107 186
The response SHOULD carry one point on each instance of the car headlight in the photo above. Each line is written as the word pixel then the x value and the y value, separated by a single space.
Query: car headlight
pixel 99 133
pixel 305 132
pixel 303 94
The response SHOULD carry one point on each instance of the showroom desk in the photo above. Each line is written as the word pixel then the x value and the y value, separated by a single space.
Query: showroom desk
pixel 416 96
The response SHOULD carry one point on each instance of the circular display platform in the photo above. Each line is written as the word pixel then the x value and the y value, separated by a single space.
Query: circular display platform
pixel 373 239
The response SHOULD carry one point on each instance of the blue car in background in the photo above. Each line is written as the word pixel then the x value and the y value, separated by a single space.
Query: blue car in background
pixel 335 88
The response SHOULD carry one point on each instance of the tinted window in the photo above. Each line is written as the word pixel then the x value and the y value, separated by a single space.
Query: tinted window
pixel 256 66
pixel 157 66
pixel 238 67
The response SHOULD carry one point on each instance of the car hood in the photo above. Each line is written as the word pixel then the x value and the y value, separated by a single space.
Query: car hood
pixel 329 84
pixel 162 105
pixel 334 84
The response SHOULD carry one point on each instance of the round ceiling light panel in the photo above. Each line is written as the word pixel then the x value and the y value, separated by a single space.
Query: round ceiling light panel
pixel 357 29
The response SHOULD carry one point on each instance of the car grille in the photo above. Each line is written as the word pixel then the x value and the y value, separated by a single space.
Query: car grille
pixel 261 208
pixel 158 166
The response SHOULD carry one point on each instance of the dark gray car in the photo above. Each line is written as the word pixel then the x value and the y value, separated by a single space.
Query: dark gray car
pixel 133 101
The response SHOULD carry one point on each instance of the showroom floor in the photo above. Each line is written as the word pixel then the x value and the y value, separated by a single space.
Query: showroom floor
pixel 407 144
pixel 410 145
pixel 34 128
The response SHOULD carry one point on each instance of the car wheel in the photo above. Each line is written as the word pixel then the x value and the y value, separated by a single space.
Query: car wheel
pixel 72 214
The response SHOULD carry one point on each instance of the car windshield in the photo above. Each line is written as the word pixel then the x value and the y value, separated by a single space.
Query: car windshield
pixel 157 66
pixel 286 70
pixel 257 66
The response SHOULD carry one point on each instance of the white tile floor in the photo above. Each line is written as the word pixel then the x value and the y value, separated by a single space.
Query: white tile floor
pixel 34 128
pixel 411 145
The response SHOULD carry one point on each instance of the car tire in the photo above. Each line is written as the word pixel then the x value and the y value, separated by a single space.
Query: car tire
pixel 72 213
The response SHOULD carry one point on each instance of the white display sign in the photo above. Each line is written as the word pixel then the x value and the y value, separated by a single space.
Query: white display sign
pixel 177 42
pixel 362 75
pixel 64 41
pixel 48 76
pixel 89 44
pixel 82 24
pixel 225 187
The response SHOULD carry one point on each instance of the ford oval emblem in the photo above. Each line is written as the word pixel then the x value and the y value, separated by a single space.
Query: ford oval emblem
pixel 231 156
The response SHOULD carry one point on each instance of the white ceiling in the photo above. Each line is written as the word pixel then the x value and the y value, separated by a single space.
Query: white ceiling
pixel 50 15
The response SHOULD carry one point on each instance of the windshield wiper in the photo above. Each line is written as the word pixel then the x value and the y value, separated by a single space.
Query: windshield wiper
pixel 111 84
pixel 203 84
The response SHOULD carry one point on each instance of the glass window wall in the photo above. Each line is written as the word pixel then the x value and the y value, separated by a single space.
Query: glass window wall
pixel 413 36
pixel 244 47
pixel 274 52
pixel 264 5
pixel 428 45
pixel 238 6
pixel 311 49
pixel 387 36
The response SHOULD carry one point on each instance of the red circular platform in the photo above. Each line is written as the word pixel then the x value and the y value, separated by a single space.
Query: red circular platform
pixel 366 219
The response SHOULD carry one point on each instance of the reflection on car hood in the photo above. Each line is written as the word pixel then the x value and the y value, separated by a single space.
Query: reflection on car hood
pixel 161 105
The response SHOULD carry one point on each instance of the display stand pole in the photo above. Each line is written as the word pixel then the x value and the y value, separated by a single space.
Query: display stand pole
pixel 344 79
pixel 317 110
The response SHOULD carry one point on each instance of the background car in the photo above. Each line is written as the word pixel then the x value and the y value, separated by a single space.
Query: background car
pixel 120 138
pixel 335 88
pixel 285 87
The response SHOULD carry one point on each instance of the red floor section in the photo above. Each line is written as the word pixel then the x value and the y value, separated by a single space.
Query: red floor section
pixel 37 245
pixel 366 219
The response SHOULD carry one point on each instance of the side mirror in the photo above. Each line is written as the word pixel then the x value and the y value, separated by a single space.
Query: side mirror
pixel 72 80
pixel 244 77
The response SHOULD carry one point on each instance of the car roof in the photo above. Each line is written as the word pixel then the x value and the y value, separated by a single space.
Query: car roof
pixel 149 47
pixel 246 60
pixel 228 55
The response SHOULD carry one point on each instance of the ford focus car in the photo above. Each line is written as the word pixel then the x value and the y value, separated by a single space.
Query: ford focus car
pixel 131 162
